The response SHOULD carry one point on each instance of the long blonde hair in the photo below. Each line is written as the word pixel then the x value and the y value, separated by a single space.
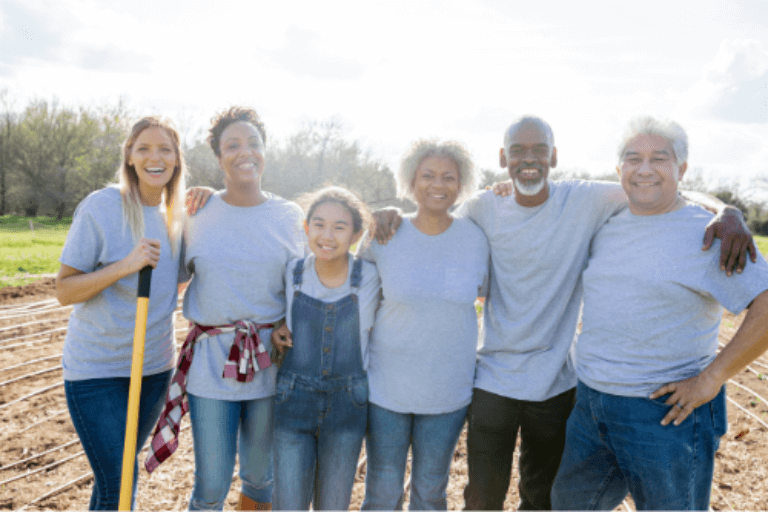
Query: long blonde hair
pixel 173 195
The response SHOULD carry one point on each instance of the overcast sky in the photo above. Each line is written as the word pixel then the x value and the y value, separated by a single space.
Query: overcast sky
pixel 393 72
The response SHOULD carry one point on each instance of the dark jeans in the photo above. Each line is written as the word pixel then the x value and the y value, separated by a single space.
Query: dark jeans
pixel 493 425
pixel 98 408
pixel 616 445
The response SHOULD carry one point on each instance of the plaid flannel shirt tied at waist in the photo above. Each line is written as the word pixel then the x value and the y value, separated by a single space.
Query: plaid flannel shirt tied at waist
pixel 247 356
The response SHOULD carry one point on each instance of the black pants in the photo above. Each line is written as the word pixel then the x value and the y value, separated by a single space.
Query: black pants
pixel 493 425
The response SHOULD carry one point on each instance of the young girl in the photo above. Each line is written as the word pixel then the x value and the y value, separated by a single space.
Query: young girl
pixel 321 402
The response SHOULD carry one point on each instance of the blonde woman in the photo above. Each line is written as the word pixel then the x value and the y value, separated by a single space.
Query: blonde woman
pixel 117 231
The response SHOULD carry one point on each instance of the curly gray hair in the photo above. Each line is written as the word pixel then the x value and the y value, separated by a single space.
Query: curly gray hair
pixel 469 176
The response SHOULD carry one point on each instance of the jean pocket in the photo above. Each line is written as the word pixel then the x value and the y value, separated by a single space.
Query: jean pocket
pixel 283 390
pixel 358 394
pixel 719 410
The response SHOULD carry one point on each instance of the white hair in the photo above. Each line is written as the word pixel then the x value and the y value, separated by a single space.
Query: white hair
pixel 528 120
pixel 648 125
pixel 469 176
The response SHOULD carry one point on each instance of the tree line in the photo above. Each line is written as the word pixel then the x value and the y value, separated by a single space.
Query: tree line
pixel 52 156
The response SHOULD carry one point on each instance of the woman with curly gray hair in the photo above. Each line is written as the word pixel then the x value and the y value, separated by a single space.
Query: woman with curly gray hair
pixel 422 349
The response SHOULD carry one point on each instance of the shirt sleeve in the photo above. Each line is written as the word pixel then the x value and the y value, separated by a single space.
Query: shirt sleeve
pixel 85 244
pixel 365 249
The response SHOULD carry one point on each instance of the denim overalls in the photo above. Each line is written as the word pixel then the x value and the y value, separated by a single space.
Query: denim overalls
pixel 321 402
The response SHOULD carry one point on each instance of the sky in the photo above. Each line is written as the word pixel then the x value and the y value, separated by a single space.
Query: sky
pixel 393 72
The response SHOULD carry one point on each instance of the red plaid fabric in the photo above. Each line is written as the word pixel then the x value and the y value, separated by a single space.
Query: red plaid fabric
pixel 247 356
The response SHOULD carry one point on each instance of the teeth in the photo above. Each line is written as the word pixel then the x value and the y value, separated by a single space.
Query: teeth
pixel 155 169
pixel 247 166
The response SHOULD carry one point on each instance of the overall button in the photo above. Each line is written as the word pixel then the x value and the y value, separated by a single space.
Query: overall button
pixel 325 372
pixel 326 349
pixel 330 307
pixel 328 328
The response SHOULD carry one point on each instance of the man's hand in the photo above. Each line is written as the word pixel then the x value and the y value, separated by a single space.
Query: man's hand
pixel 736 240
pixel 686 395
pixel 385 224
pixel 503 188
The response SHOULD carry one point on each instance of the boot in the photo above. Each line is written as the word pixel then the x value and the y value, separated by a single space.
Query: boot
pixel 246 503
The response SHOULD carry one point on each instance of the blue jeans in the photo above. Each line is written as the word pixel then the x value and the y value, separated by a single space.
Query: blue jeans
pixel 99 408
pixel 616 445
pixel 319 430
pixel 215 428
pixel 433 439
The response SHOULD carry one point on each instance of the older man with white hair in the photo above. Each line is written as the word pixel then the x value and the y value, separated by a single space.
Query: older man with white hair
pixel 650 404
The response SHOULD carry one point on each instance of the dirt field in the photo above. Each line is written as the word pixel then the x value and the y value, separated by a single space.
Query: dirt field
pixel 32 328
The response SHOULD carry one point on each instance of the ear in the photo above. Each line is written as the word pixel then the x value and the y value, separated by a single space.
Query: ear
pixel 618 171
pixel 683 168
pixel 306 228
pixel 553 159
pixel 502 158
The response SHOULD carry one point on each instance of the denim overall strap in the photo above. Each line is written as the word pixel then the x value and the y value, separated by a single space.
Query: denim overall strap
pixel 326 335
pixel 298 274
pixel 357 275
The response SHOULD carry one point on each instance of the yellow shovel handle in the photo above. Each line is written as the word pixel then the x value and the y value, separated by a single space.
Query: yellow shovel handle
pixel 134 393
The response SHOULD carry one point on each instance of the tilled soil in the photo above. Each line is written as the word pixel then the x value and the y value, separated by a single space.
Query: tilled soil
pixel 31 424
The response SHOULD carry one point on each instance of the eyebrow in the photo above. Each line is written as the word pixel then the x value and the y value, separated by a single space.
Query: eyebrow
pixel 317 217
pixel 658 152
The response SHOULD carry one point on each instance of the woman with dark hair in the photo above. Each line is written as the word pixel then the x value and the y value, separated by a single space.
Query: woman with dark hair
pixel 116 231
pixel 236 251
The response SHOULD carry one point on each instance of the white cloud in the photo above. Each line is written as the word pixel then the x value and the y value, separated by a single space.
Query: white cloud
pixel 734 85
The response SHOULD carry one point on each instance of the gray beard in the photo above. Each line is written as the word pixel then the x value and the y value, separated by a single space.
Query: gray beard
pixel 529 189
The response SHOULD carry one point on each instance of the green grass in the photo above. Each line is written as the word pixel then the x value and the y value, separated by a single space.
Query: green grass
pixel 762 244
pixel 24 251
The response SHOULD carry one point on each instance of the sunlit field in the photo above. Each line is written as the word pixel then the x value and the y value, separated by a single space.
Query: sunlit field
pixel 30 247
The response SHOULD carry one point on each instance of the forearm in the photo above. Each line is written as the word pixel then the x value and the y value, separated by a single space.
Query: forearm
pixel 707 201
pixel 749 342
pixel 74 286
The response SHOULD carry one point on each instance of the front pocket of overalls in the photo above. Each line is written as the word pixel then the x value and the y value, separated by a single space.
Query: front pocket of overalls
pixel 282 391
pixel 358 394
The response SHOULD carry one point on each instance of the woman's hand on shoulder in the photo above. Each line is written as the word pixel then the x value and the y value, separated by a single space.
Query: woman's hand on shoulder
pixel 197 197
pixel 503 188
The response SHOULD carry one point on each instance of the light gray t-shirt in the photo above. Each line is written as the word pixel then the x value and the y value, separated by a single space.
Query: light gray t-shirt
pixel 652 301
pixel 537 256
pixel 422 349
pixel 367 295
pixel 237 257
pixel 99 341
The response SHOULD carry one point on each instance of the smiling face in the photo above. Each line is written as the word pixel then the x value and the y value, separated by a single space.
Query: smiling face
pixel 528 159
pixel 242 153
pixel 650 174
pixel 155 160
pixel 330 231
pixel 436 184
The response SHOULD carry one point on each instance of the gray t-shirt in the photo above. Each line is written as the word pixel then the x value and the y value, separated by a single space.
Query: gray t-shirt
pixel 652 302
pixel 237 257
pixel 537 256
pixel 422 349
pixel 367 295
pixel 99 341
